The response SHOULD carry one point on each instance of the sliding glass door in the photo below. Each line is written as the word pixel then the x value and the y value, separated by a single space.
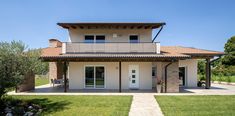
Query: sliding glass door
pixel 99 77
pixel 89 74
pixel 94 76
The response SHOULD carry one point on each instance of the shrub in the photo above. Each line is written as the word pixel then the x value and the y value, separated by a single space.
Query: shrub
pixel 228 79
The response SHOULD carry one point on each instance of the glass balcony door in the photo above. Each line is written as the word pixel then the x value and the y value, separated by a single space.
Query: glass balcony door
pixel 94 76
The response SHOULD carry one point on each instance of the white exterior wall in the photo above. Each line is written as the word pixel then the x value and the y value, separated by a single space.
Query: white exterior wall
pixel 145 74
pixel 78 35
pixel 191 71
pixel 77 74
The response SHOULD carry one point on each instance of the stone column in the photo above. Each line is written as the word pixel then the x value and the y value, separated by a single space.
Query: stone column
pixel 172 77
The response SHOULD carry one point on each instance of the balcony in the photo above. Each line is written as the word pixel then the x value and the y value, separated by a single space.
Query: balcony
pixel 75 48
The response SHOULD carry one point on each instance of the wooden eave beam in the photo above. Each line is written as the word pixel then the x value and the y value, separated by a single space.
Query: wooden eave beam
pixel 132 27
pixel 74 27
pixel 153 27
pixel 81 27
pixel 147 27
pixel 139 27
pixel 124 27
pixel 66 27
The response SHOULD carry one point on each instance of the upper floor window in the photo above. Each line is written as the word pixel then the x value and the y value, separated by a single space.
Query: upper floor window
pixel 89 38
pixel 94 39
pixel 100 39
pixel 134 39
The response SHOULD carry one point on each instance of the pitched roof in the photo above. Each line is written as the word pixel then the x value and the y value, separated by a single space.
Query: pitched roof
pixel 145 25
pixel 188 50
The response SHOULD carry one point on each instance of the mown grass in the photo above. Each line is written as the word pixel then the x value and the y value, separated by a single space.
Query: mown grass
pixel 223 78
pixel 81 105
pixel 41 80
pixel 197 105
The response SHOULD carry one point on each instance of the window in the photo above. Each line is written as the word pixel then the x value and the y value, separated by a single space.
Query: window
pixel 133 71
pixel 133 76
pixel 100 39
pixel 154 71
pixel 94 39
pixel 89 39
pixel 134 39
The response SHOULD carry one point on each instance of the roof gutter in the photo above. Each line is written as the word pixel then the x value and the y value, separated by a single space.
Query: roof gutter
pixel 215 59
pixel 158 33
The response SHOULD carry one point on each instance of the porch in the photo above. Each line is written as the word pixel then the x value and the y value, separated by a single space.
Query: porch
pixel 216 89
pixel 114 76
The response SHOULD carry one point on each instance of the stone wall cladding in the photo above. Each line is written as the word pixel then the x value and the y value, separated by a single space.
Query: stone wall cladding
pixel 55 70
pixel 27 84
pixel 172 77
pixel 52 70
pixel 59 70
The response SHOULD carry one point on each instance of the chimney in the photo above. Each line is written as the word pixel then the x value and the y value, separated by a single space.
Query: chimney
pixel 54 43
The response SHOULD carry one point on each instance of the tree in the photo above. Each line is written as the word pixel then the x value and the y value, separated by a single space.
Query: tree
pixel 201 67
pixel 41 68
pixel 15 61
pixel 229 49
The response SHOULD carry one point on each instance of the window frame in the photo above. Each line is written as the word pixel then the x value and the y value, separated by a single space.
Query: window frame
pixel 154 71
pixel 85 41
pixel 94 87
pixel 138 39
pixel 94 41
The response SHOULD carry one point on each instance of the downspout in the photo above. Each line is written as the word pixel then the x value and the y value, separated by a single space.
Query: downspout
pixel 157 33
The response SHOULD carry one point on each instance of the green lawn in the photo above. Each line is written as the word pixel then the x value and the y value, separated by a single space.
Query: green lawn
pixel 82 105
pixel 223 78
pixel 41 80
pixel 197 105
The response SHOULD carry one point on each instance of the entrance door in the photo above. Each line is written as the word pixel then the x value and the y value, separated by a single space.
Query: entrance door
pixel 133 76
pixel 182 76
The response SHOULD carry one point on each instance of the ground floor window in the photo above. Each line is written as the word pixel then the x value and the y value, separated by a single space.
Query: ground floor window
pixel 154 69
pixel 94 76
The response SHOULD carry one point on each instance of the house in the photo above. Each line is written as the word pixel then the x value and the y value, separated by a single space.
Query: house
pixel 122 56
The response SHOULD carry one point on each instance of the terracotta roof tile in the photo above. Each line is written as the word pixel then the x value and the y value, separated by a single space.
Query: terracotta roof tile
pixel 188 50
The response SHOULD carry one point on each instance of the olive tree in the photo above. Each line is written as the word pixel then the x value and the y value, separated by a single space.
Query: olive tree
pixel 15 61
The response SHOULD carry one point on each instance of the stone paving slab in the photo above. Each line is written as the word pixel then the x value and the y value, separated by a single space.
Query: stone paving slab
pixel 144 105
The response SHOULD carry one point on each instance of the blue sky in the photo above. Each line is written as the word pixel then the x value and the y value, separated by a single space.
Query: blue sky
pixel 203 24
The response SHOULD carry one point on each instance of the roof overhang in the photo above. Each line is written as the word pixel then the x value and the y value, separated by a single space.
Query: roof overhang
pixel 113 58
pixel 111 25
pixel 205 56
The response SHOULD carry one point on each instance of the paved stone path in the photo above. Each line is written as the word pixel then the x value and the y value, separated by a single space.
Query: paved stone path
pixel 144 104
